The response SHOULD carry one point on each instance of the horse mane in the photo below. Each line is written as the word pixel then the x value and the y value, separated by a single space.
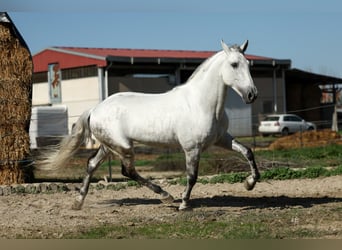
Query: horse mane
pixel 237 48
pixel 203 65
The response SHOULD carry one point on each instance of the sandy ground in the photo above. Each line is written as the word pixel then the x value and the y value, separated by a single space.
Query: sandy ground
pixel 50 215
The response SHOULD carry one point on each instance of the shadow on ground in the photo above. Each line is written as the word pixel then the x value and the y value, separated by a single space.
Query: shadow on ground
pixel 231 201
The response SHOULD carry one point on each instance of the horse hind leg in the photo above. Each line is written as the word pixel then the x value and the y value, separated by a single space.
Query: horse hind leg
pixel 93 163
pixel 128 170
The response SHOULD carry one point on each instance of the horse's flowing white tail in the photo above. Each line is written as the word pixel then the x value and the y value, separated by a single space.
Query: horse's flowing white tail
pixel 56 158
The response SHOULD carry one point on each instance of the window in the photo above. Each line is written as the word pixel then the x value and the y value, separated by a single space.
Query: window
pixel 79 72
pixel 271 118
pixel 40 77
pixel 287 118
pixel 87 71
pixel 292 118
pixel 296 119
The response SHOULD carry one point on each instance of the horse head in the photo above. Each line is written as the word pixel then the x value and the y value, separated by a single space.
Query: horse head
pixel 235 72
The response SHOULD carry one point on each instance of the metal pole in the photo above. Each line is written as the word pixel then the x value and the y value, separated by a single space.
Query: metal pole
pixel 334 126
pixel 110 168
pixel 284 90
pixel 275 91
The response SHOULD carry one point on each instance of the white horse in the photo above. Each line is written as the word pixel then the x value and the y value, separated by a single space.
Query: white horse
pixel 190 116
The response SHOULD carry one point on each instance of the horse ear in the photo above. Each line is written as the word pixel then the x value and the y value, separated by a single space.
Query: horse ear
pixel 244 46
pixel 225 47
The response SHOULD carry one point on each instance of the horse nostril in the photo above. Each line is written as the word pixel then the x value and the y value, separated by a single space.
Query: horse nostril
pixel 250 96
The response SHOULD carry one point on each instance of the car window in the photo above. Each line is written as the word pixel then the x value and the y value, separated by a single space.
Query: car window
pixel 287 118
pixel 271 118
pixel 296 119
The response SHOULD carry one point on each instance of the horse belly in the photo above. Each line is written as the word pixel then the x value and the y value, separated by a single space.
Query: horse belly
pixel 149 129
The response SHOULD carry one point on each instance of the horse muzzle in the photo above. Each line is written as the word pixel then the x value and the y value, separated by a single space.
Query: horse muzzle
pixel 251 95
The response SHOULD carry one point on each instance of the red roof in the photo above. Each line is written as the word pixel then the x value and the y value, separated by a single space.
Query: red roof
pixel 71 57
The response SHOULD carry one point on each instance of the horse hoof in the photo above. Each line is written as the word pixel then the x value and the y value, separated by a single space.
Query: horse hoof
pixel 76 206
pixel 184 207
pixel 249 183
pixel 167 198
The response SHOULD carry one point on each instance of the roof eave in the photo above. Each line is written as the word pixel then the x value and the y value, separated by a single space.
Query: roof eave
pixel 123 59
pixel 75 53
pixel 272 62
pixel 158 60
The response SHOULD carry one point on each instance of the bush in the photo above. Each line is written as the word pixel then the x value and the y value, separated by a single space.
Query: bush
pixel 314 172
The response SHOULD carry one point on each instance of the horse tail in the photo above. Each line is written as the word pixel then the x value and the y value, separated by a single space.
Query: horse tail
pixel 56 157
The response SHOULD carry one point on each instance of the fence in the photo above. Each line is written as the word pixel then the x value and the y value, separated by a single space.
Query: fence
pixel 256 142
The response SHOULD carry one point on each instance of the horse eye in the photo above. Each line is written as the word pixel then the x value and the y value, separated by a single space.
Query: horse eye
pixel 235 65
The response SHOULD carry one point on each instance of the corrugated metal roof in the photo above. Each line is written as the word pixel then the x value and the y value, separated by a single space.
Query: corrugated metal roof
pixel 71 57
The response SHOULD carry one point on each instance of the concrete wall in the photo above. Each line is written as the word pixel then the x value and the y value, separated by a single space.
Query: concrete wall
pixel 80 95
pixel 77 94
pixel 239 115
pixel 40 94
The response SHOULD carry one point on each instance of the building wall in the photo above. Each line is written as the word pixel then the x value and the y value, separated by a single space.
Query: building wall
pixel 239 115
pixel 40 94
pixel 80 95
pixel 77 94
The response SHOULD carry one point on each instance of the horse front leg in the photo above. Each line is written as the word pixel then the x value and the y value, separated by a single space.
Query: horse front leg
pixel 228 142
pixel 192 162
pixel 248 154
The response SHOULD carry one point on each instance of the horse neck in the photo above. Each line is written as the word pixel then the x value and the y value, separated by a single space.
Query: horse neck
pixel 207 86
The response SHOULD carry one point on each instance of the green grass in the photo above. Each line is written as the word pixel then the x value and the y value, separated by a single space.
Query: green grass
pixel 311 172
pixel 252 224
pixel 232 167
pixel 282 173
pixel 325 156
pixel 225 162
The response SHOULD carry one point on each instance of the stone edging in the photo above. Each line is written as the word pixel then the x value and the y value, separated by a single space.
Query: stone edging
pixel 54 187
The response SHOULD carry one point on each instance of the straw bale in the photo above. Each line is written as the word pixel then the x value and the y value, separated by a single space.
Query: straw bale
pixel 15 105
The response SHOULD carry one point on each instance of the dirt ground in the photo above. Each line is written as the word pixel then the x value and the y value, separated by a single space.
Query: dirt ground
pixel 49 215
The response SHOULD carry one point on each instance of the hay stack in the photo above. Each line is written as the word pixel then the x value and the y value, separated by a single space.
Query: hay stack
pixel 307 139
pixel 15 103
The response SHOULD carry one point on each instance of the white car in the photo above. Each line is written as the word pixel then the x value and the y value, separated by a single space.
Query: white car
pixel 284 124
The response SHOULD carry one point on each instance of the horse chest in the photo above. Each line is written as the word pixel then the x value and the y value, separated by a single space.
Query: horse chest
pixel 199 132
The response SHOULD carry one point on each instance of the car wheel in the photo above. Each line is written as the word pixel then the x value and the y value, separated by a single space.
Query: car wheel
pixel 285 132
pixel 310 128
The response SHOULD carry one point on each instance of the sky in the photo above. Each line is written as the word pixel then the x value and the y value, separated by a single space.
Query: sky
pixel 305 31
